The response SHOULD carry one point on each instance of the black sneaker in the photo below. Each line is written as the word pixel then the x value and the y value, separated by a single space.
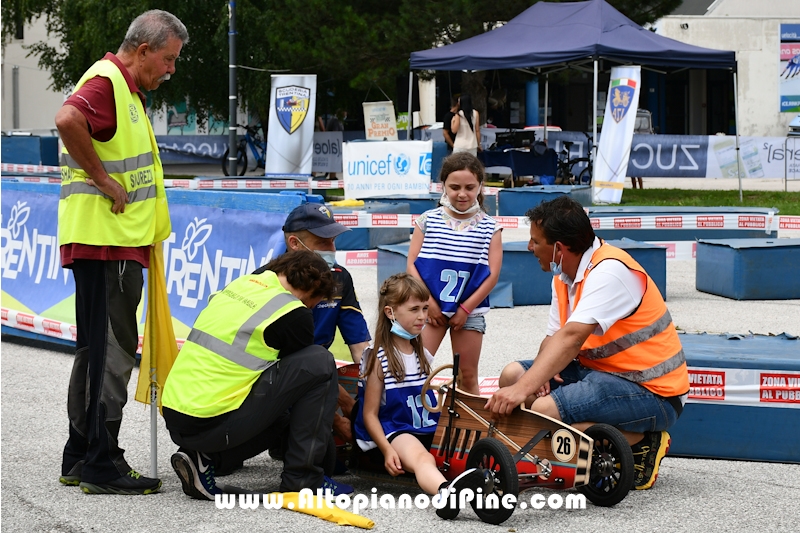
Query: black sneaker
pixel 647 455
pixel 227 469
pixel 128 485
pixel 73 477
pixel 472 479
pixel 196 472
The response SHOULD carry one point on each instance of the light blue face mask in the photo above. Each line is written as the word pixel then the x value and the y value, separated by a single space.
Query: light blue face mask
pixel 400 331
pixel 329 257
pixel 556 269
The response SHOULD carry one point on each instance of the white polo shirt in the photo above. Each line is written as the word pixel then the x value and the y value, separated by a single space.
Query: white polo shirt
pixel 611 293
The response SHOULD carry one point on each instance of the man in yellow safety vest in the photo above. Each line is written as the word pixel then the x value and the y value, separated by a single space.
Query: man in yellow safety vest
pixel 112 209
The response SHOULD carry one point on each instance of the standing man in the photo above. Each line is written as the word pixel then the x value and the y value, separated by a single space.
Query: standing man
pixel 311 227
pixel 611 354
pixel 112 210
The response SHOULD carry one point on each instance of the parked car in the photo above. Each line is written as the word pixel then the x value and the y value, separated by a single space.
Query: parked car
pixel 794 127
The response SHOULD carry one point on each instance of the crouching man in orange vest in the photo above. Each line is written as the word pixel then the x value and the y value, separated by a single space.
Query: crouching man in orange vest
pixel 611 354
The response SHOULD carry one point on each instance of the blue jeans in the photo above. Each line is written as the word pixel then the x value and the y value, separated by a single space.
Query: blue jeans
pixel 594 396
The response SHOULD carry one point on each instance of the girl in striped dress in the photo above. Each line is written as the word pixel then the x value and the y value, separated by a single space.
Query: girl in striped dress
pixel 391 417
pixel 456 250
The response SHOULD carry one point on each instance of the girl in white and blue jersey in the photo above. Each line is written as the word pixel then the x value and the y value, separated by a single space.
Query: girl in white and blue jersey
pixel 391 417
pixel 456 250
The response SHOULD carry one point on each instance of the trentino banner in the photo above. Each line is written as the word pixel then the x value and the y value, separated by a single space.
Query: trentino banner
pixel 290 139
pixel 208 248
pixel 614 149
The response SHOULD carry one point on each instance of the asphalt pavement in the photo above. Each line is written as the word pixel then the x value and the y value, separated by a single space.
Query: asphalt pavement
pixel 690 494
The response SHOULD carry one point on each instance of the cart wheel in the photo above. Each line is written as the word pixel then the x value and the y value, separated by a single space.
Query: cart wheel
pixel 427 386
pixel 498 466
pixel 611 474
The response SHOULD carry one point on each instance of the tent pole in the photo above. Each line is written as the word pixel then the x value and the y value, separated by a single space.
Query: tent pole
pixel 594 117
pixel 736 117
pixel 546 96
pixel 410 95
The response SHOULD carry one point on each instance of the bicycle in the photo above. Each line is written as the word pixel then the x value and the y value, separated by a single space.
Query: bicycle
pixel 565 174
pixel 257 145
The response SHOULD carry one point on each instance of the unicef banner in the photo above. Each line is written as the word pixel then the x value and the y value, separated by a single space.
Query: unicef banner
pixel 382 168
pixel 290 138
pixel 207 249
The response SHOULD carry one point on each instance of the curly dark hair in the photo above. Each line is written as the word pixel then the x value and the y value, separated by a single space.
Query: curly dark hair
pixel 563 220
pixel 306 271
pixel 464 161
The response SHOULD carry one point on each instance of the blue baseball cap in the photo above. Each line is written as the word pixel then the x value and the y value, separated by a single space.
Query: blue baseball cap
pixel 315 218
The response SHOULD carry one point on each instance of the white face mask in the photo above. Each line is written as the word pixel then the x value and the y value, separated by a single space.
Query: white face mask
pixel 445 201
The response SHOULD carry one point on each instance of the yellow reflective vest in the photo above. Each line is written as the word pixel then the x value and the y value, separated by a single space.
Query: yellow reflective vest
pixel 131 159
pixel 225 352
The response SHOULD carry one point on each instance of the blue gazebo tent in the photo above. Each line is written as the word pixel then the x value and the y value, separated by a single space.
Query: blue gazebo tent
pixel 552 36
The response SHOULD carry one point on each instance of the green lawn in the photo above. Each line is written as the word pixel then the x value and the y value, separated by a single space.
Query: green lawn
pixel 788 203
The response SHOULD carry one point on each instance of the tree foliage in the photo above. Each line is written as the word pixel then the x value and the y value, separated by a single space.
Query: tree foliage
pixel 349 44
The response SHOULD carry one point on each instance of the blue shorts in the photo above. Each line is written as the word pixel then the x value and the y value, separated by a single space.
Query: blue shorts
pixel 594 396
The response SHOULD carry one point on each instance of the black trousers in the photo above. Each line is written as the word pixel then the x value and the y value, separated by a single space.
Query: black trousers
pixel 106 296
pixel 300 389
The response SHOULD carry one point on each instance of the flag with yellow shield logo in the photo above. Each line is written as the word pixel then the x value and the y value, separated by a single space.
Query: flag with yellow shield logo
pixel 614 149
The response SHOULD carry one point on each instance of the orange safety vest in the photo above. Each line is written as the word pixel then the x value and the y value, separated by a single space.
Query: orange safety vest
pixel 643 347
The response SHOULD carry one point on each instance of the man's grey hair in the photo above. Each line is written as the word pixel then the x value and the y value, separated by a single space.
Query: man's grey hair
pixel 154 27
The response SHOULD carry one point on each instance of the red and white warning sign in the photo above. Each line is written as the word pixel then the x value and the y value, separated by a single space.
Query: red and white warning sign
pixel 779 387
pixel 706 384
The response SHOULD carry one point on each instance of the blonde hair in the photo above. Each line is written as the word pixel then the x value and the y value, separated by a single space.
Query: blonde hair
pixel 396 291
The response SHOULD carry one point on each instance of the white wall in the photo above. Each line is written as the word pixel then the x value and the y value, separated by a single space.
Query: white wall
pixel 754 8
pixel 37 104
pixel 756 42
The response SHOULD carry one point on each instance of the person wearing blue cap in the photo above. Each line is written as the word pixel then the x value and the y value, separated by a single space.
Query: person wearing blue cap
pixel 311 226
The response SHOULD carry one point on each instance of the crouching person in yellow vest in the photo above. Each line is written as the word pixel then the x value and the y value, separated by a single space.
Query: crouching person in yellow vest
pixel 250 371
pixel 611 354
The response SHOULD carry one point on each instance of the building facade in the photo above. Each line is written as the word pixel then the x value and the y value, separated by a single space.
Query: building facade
pixel 752 30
